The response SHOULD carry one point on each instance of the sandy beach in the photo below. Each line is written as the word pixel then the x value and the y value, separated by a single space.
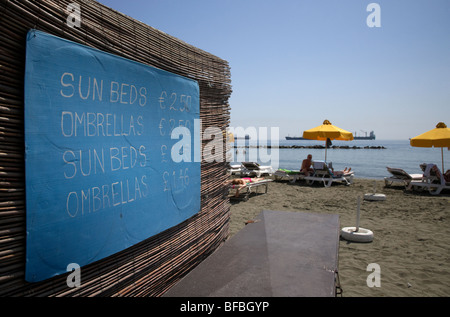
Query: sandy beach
pixel 411 233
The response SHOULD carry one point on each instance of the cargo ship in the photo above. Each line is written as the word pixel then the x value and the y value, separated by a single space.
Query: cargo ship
pixel 371 136
pixel 295 138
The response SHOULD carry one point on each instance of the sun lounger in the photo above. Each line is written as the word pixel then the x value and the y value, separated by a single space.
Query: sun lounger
pixel 244 193
pixel 432 179
pixel 235 169
pixel 400 176
pixel 291 176
pixel 322 173
pixel 253 168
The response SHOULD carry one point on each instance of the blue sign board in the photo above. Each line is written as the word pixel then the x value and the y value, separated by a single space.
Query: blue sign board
pixel 108 155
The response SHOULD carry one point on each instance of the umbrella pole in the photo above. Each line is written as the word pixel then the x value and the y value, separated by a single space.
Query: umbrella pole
pixel 442 157
pixel 358 213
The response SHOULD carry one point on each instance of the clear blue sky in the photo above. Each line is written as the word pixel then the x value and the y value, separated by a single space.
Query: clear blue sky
pixel 295 63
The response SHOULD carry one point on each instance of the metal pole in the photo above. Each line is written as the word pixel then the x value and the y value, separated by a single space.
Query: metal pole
pixel 357 214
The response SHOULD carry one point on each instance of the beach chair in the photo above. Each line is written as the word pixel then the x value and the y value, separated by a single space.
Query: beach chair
pixel 253 168
pixel 245 192
pixel 432 179
pixel 323 173
pixel 400 176
pixel 235 169
pixel 291 176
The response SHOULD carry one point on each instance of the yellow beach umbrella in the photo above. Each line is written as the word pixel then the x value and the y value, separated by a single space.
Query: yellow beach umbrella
pixel 230 137
pixel 437 137
pixel 327 131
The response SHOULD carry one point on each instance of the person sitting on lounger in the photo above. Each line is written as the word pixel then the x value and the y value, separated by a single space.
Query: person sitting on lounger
pixel 239 183
pixel 447 176
pixel 306 165
pixel 437 172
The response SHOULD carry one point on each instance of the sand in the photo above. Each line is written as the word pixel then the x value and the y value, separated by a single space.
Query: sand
pixel 411 233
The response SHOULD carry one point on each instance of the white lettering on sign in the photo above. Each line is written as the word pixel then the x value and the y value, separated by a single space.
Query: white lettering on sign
pixel 100 160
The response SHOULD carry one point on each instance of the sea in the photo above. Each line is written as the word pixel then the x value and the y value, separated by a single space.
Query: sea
pixel 369 163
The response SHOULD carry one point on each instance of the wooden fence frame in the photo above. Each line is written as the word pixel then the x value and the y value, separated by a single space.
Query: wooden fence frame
pixel 150 267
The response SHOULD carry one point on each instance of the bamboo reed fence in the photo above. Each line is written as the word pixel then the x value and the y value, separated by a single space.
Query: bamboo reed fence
pixel 151 267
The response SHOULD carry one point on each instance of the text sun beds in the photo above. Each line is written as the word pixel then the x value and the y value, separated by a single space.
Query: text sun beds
pixel 323 173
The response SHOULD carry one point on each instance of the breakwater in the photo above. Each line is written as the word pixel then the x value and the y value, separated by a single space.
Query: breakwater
pixel 354 147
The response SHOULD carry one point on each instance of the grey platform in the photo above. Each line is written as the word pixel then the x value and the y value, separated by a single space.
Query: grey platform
pixel 282 254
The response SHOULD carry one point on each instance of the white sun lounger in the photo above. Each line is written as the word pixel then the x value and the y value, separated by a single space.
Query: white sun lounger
pixel 322 173
pixel 235 169
pixel 400 176
pixel 253 168
pixel 244 193
pixel 291 176
pixel 432 179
